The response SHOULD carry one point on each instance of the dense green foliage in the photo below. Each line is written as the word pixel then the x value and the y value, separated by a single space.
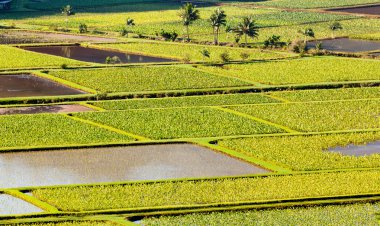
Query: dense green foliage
pixel 215 191
pixel 135 79
pixel 309 70
pixel 51 130
pixel 179 122
pixel 315 4
pixel 323 116
pixel 209 100
pixel 193 52
pixel 329 94
pixel 355 214
pixel 307 152
pixel 70 223
pixel 12 57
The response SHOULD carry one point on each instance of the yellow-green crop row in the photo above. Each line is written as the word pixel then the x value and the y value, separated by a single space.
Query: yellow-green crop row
pixel 156 78
pixel 12 57
pixel 51 130
pixel 329 94
pixel 210 191
pixel 179 122
pixel 306 70
pixel 354 214
pixel 69 223
pixel 206 100
pixel 320 116
pixel 307 152
pixel 193 52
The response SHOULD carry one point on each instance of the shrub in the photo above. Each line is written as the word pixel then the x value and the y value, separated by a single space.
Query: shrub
pixel 172 36
pixel 225 57
pixel 244 55
pixel 82 28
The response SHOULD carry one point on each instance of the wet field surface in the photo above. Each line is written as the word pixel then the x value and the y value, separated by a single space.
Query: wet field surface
pixel 24 85
pixel 94 55
pixel 10 205
pixel 359 150
pixel 370 10
pixel 149 162
pixel 44 109
pixel 347 45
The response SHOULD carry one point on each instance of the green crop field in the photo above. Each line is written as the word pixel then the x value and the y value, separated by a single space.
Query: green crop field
pixel 243 121
pixel 307 152
pixel 323 215
pixel 312 70
pixel 134 79
pixel 324 116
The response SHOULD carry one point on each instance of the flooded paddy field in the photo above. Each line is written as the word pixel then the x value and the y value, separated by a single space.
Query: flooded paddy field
pixel 369 10
pixel 67 108
pixel 359 150
pixel 93 165
pixel 95 55
pixel 10 205
pixel 347 45
pixel 26 85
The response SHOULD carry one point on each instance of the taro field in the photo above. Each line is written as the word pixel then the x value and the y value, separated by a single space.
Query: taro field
pixel 139 112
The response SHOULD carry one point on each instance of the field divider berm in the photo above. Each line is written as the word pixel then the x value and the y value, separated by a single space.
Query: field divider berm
pixel 32 200
pixel 137 137
pixel 287 129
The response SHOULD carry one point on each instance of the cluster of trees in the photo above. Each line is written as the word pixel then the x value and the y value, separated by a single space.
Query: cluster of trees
pixel 247 27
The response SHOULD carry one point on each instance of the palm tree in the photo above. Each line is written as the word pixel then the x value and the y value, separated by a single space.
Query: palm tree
pixel 334 27
pixel 307 33
pixel 218 18
pixel 67 11
pixel 188 14
pixel 247 28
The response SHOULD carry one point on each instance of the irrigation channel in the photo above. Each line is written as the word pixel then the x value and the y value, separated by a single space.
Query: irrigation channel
pixel 366 10
pixel 94 55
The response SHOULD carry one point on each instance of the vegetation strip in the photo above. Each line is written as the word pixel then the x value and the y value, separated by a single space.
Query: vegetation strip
pixel 32 200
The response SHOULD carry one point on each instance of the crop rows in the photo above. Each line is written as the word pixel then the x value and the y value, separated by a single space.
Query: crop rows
pixel 49 130
pixel 364 214
pixel 70 223
pixel 179 123
pixel 329 94
pixel 324 116
pixel 135 79
pixel 210 191
pixel 17 58
pixel 309 70
pixel 193 52
pixel 206 100
pixel 307 152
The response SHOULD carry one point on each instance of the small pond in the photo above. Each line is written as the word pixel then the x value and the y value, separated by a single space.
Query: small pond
pixel 93 165
pixel 10 205
pixel 94 55
pixel 347 45
pixel 370 10
pixel 65 108
pixel 358 150
pixel 25 85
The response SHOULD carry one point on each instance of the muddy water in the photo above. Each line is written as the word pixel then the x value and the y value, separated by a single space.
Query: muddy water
pixel 44 109
pixel 359 150
pixel 347 45
pixel 94 55
pixel 10 205
pixel 24 85
pixel 371 10
pixel 94 165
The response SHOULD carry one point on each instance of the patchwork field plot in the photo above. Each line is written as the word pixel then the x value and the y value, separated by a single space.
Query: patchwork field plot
pixel 180 123
pixel 134 79
pixel 324 116
pixel 224 113
pixel 307 152
pixel 324 69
